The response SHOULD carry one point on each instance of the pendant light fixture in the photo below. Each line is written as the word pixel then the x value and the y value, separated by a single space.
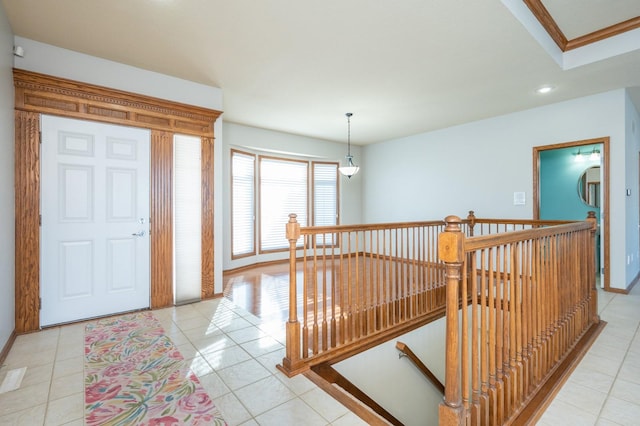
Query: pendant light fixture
pixel 349 169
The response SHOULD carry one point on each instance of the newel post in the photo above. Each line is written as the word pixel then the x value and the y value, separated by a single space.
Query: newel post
pixel 451 252
pixel 472 222
pixel 591 217
pixel 291 363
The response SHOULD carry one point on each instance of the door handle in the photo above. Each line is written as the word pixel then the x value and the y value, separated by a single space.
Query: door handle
pixel 138 234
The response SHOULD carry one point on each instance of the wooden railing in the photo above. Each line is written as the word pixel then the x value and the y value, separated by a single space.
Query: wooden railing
pixel 531 301
pixel 529 293
pixel 405 351
pixel 352 287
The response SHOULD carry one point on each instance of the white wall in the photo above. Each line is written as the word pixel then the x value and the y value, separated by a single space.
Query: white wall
pixel 51 60
pixel 478 166
pixel 289 146
pixel 395 383
pixel 7 215
pixel 47 59
pixel 632 207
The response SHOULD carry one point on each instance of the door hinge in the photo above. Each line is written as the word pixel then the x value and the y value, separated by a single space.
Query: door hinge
pixel 40 219
pixel 40 137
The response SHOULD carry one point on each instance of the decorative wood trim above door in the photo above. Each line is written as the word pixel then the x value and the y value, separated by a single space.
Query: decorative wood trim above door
pixel 57 96
pixel 37 94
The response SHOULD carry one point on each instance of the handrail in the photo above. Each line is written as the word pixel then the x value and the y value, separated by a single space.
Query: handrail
pixel 333 377
pixel 405 351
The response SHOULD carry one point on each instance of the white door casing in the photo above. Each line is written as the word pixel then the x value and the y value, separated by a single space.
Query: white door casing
pixel 95 252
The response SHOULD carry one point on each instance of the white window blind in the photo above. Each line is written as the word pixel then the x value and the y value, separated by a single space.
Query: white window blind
pixel 243 203
pixel 283 190
pixel 325 198
pixel 187 211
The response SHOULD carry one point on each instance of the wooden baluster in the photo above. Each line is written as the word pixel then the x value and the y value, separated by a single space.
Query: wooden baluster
pixel 528 330
pixel 334 287
pixel 591 279
pixel 515 325
pixel 484 337
pixel 358 302
pixel 350 332
pixel 451 252
pixel 292 362
pixel 385 280
pixel 371 287
pixel 325 329
pixel 305 303
pixel 501 330
pixel 313 281
pixel 520 323
pixel 492 331
pixel 344 296
pixel 376 267
pixel 464 356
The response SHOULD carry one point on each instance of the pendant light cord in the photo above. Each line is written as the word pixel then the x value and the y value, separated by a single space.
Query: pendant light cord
pixel 349 114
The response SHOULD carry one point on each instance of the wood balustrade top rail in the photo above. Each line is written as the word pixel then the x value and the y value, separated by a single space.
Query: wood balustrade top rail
pixel 413 224
pixel 521 221
pixel 368 227
pixel 490 240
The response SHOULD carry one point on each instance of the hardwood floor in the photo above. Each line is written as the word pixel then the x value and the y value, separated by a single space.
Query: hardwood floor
pixel 263 291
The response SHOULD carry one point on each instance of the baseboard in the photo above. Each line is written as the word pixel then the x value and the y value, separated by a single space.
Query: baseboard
pixel 633 283
pixel 625 290
pixel 7 346
pixel 255 265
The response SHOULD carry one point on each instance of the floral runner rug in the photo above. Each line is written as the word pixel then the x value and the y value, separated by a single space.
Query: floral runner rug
pixel 135 375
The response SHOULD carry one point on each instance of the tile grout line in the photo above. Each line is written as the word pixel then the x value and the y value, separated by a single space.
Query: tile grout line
pixel 615 378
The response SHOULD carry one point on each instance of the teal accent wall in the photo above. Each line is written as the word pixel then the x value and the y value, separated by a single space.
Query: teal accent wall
pixel 559 175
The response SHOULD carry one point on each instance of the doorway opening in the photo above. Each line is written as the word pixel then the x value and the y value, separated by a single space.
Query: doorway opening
pixel 591 192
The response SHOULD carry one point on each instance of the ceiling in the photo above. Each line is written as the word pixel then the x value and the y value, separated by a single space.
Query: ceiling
pixel 402 67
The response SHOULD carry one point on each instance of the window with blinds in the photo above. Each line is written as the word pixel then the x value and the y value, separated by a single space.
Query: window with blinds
pixel 243 204
pixel 284 186
pixel 325 199
pixel 283 190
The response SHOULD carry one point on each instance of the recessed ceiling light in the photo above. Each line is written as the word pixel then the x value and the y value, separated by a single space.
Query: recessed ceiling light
pixel 544 89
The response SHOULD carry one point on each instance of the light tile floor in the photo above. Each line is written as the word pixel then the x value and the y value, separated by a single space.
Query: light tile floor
pixel 234 354
pixel 604 389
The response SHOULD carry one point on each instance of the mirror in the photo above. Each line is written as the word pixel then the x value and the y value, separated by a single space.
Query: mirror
pixel 589 186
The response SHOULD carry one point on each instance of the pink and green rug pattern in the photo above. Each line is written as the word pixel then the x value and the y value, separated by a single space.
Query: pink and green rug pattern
pixel 134 375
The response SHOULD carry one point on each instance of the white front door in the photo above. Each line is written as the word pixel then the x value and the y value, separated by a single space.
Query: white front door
pixel 95 219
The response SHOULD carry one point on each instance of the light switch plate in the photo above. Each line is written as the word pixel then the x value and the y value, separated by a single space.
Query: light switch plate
pixel 519 199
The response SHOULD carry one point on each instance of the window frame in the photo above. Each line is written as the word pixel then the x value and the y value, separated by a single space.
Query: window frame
pixel 254 196
pixel 257 200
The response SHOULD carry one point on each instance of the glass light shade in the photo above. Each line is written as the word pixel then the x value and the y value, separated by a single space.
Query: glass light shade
pixel 350 169
pixel 595 156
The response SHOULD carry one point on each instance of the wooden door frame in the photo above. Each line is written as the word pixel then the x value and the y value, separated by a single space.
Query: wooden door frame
pixel 604 215
pixel 37 94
